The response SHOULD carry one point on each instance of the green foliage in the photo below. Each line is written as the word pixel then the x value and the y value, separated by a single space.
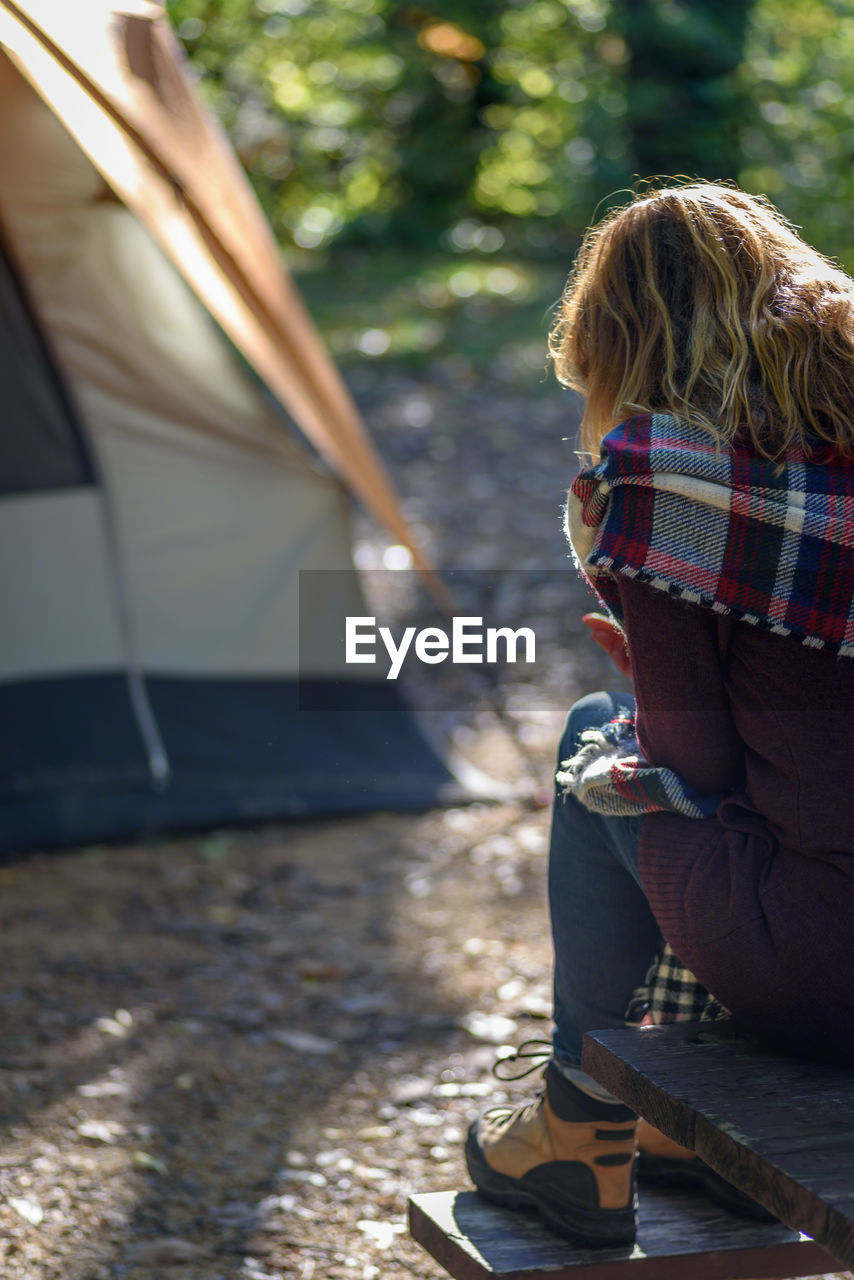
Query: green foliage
pixel 481 126
pixel 799 70
pixel 685 109
pixel 347 113
pixel 557 145
pixel 472 310
pixel 389 120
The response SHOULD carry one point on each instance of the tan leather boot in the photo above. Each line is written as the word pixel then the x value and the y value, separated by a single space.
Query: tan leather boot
pixel 566 1155
pixel 662 1160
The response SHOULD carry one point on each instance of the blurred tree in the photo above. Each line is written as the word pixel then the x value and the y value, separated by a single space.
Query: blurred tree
pixel 364 115
pixel 686 107
pixel 799 149
pixel 314 97
pixel 472 124
pixel 555 142
pixel 449 85
pixel 397 119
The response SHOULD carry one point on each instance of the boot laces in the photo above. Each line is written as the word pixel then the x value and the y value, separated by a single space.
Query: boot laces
pixel 532 1055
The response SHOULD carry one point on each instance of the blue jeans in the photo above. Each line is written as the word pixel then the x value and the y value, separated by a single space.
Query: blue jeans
pixel 604 933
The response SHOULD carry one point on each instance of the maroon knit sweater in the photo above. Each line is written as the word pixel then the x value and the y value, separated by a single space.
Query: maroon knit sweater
pixel 759 901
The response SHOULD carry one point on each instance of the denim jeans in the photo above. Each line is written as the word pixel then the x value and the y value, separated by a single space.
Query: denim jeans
pixel 603 930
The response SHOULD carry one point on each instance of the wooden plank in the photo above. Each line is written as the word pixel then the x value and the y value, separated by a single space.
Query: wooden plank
pixel 780 1128
pixel 680 1234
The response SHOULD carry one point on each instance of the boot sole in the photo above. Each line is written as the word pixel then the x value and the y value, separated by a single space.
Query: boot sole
pixel 580 1223
pixel 668 1171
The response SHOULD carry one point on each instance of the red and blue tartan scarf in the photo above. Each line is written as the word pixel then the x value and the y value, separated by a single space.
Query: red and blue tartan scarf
pixel 770 543
pixel 610 776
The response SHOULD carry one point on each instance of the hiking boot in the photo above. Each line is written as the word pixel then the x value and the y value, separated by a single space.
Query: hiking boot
pixel 567 1155
pixel 663 1161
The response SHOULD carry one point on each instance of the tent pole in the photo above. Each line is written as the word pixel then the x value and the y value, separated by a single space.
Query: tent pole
pixel 159 769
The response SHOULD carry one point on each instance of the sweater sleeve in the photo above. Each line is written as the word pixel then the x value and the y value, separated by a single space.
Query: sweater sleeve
pixel 683 715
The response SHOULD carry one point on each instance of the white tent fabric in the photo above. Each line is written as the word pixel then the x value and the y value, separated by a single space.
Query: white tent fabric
pixel 205 485
pixel 118 83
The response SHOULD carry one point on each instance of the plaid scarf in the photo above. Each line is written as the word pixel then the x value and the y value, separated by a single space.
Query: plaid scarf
pixel 610 776
pixel 771 544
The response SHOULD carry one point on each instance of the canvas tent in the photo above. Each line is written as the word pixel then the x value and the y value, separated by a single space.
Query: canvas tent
pixel 156 505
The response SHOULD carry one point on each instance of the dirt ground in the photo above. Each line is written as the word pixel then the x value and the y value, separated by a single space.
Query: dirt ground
pixel 238 1054
pixel 232 1055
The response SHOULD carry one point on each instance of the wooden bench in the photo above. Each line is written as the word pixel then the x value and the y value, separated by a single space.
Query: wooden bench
pixel 779 1128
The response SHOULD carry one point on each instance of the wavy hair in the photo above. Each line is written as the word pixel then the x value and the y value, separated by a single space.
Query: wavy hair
pixel 702 301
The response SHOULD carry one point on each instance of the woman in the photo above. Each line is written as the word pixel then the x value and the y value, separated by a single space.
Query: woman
pixel 714 811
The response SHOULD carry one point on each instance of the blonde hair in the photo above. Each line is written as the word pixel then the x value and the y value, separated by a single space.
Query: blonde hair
pixel 702 301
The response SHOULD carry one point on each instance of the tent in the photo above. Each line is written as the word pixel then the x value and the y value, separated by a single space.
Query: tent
pixel 157 504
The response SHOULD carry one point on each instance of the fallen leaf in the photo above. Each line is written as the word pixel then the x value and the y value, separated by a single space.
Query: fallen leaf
pixel 144 1160
pixel 29 1209
pixel 303 1041
pixel 382 1233
pixel 369 1174
pixel 493 1027
pixel 100 1130
pixel 112 1027
pixel 103 1089
pixel 411 1089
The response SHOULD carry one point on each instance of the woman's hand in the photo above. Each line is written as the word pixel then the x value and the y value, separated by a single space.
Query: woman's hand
pixel 609 637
